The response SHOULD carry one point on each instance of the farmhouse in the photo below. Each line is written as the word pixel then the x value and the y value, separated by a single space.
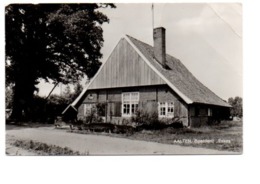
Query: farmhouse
pixel 138 76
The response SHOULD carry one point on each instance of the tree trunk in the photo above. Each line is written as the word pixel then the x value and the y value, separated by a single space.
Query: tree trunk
pixel 22 100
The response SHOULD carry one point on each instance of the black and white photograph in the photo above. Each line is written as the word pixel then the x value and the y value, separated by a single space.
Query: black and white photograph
pixel 120 79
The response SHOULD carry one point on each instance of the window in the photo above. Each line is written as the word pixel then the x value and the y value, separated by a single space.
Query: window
pixel 209 112
pixel 87 109
pixel 170 109
pixel 134 108
pixel 130 103
pixel 166 109
pixel 126 108
pixel 162 109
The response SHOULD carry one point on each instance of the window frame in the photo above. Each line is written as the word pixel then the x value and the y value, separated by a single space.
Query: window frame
pixel 87 109
pixel 162 105
pixel 132 101
pixel 171 113
pixel 166 106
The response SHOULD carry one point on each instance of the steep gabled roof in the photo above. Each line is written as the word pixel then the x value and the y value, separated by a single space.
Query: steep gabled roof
pixel 180 77
pixel 177 76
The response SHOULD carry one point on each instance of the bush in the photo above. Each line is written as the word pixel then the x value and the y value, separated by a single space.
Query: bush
pixel 143 117
pixel 175 122
pixel 123 129
pixel 100 127
pixel 150 121
pixel 101 109
pixel 93 116
pixel 147 121
pixel 176 125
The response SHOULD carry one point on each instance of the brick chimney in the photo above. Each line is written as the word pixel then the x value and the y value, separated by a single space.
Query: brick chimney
pixel 159 45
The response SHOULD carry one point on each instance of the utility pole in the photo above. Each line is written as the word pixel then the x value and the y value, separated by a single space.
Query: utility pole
pixel 152 15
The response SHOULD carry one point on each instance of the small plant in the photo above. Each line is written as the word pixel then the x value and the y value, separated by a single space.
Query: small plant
pixel 123 129
pixel 101 109
pixel 44 149
pixel 140 117
pixel 93 116
pixel 147 120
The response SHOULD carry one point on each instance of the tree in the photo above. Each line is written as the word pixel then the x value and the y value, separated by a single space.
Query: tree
pixel 8 97
pixel 67 92
pixel 61 42
pixel 70 96
pixel 237 106
pixel 77 90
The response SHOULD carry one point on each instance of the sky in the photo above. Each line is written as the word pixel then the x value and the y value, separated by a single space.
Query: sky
pixel 207 38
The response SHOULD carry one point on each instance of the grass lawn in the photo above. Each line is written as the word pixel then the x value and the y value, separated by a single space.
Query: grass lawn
pixel 226 136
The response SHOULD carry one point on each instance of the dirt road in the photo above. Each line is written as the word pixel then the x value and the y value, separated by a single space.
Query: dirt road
pixel 99 144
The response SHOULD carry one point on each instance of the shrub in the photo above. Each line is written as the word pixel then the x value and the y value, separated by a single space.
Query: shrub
pixel 100 127
pixel 123 129
pixel 176 125
pixel 143 117
pixel 175 122
pixel 93 116
pixel 101 109
pixel 148 121
pixel 151 121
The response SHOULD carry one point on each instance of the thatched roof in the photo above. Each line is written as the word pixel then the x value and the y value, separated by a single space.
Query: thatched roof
pixel 180 77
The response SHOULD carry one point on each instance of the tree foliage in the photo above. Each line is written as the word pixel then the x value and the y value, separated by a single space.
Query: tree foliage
pixel 70 96
pixel 47 109
pixel 61 42
pixel 237 106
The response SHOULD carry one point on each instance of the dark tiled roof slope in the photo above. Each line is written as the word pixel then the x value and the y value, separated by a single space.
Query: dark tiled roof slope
pixel 180 77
